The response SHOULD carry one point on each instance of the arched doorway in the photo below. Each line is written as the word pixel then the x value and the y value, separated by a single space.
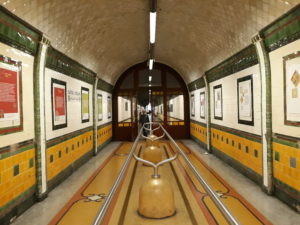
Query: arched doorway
pixel 165 98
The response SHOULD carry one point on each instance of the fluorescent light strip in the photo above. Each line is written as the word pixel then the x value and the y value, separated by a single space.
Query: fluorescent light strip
pixel 150 78
pixel 152 27
pixel 151 61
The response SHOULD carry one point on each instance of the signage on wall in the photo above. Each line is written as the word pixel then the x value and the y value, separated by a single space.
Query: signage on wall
pixel 59 104
pixel 292 89
pixel 192 105
pixel 202 105
pixel 100 112
pixel 245 100
pixel 85 111
pixel 218 102
pixel 108 107
pixel 10 96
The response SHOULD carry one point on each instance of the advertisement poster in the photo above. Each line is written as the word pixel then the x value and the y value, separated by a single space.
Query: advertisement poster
pixel 202 105
pixel 100 112
pixel 59 104
pixel 218 102
pixel 108 107
pixel 10 107
pixel 292 89
pixel 192 105
pixel 245 100
pixel 85 113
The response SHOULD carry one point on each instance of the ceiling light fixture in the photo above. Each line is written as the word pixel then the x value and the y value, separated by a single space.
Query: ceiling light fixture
pixel 152 27
pixel 151 61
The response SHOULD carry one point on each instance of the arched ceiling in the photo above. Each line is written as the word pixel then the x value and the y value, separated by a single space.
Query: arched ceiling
pixel 109 36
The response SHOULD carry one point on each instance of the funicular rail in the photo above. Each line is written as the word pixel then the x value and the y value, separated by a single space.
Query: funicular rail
pixel 101 213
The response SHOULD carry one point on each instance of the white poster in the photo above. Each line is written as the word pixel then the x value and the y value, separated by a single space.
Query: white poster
pixel 100 111
pixel 245 100
pixel 193 105
pixel 109 106
pixel 218 102
pixel 202 105
pixel 292 88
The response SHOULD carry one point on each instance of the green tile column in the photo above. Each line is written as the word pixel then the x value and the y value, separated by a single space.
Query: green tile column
pixel 39 117
pixel 95 118
pixel 266 112
pixel 207 112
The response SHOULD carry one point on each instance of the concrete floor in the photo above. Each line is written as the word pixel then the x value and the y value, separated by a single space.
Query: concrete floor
pixel 274 210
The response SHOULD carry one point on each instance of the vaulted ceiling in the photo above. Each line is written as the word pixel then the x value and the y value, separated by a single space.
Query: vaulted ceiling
pixel 108 36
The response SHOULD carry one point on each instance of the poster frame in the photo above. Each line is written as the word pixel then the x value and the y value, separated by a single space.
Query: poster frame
pixel 239 81
pixel 83 120
pixel 62 83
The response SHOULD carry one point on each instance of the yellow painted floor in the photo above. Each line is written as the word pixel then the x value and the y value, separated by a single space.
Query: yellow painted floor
pixel 193 205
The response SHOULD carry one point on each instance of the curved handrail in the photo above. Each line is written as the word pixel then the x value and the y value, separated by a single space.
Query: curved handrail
pixel 157 165
pixel 211 193
pixel 101 213
pixel 208 189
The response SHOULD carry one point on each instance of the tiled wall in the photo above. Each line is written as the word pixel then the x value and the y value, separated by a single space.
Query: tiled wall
pixel 286 161
pixel 198 132
pixel 17 176
pixel 246 152
pixel 22 166
pixel 104 134
pixel 62 155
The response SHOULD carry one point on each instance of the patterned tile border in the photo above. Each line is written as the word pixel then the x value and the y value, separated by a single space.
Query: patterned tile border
pixel 66 137
pixel 282 31
pixel 15 149
pixel 17 33
pixel 239 133
pixel 286 140
pixel 198 122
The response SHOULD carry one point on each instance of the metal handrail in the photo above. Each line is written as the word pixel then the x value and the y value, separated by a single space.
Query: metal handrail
pixel 208 189
pixel 103 209
pixel 211 193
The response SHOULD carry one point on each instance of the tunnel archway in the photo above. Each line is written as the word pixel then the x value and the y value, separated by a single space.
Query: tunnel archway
pixel 166 100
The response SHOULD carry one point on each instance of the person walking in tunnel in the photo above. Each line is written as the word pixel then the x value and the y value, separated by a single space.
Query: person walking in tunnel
pixel 144 119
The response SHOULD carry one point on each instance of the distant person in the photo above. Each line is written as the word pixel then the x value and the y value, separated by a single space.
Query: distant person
pixel 144 119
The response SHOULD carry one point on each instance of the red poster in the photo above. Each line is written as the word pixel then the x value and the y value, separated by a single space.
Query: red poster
pixel 59 98
pixel 8 91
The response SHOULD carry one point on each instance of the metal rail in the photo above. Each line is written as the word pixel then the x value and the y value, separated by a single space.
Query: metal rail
pixel 101 213
pixel 103 209
pixel 208 189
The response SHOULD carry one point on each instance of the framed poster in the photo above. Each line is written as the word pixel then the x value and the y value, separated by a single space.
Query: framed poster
pixel 11 118
pixel 59 104
pixel 85 110
pixel 193 105
pixel 291 65
pixel 108 107
pixel 202 105
pixel 245 100
pixel 218 102
pixel 100 111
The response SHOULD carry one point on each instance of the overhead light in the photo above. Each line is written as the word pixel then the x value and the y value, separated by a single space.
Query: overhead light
pixel 152 27
pixel 149 85
pixel 150 78
pixel 151 61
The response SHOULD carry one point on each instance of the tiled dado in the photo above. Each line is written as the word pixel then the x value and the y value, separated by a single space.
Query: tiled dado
pixel 243 150
pixel 198 131
pixel 104 134
pixel 286 163
pixel 62 155
pixel 17 175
